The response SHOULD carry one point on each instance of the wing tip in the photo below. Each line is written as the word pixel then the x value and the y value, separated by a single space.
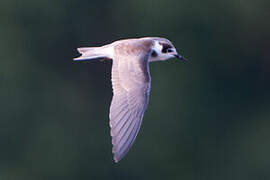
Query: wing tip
pixel 117 156
pixel 116 160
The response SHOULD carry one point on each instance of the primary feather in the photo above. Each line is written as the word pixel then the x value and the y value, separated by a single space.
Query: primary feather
pixel 131 87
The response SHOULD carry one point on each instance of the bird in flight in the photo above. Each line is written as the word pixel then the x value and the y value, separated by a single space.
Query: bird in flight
pixel 131 83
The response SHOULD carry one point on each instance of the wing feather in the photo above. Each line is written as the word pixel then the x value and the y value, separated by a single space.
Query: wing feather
pixel 131 87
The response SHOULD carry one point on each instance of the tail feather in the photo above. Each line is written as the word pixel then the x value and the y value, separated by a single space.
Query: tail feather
pixel 85 49
pixel 88 53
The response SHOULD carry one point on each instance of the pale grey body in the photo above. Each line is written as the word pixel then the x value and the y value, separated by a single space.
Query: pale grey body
pixel 131 83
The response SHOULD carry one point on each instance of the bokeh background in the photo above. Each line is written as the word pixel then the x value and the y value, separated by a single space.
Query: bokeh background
pixel 208 119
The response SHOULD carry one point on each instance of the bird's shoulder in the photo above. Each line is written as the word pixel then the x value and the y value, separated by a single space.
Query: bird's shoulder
pixel 133 47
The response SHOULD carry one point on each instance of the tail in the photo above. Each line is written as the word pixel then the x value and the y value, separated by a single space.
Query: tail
pixel 88 53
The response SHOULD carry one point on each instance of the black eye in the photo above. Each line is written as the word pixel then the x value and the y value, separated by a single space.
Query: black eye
pixel 166 48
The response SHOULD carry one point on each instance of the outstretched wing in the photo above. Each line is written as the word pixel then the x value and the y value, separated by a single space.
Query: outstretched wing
pixel 131 87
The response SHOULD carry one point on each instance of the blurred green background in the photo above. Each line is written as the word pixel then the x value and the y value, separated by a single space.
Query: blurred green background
pixel 208 119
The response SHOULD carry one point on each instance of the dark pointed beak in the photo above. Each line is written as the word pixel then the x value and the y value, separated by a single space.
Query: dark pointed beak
pixel 180 57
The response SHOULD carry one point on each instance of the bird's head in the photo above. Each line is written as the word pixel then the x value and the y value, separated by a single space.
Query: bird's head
pixel 163 49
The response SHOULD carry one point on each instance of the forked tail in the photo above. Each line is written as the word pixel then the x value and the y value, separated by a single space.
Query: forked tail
pixel 88 53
